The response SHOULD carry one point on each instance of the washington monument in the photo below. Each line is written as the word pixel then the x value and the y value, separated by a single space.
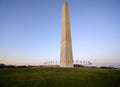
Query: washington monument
pixel 66 56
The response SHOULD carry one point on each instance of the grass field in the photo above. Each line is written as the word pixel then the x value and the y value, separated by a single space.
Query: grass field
pixel 59 77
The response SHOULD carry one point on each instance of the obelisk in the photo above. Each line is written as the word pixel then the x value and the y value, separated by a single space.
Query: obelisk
pixel 66 56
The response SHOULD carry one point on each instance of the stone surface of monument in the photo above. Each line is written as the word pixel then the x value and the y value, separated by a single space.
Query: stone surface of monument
pixel 66 56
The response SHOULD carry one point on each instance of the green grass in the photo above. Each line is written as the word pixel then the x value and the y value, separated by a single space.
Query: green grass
pixel 59 77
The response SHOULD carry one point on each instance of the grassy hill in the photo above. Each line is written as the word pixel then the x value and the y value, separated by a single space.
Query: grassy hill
pixel 59 77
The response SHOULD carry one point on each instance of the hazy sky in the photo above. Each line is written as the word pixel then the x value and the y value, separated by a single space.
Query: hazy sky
pixel 30 31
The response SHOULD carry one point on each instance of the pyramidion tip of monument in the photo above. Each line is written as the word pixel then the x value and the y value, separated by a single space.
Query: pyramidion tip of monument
pixel 65 1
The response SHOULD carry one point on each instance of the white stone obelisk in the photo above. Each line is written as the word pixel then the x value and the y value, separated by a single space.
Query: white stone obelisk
pixel 66 56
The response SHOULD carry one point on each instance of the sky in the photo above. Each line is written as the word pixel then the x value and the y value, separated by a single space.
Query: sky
pixel 30 31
